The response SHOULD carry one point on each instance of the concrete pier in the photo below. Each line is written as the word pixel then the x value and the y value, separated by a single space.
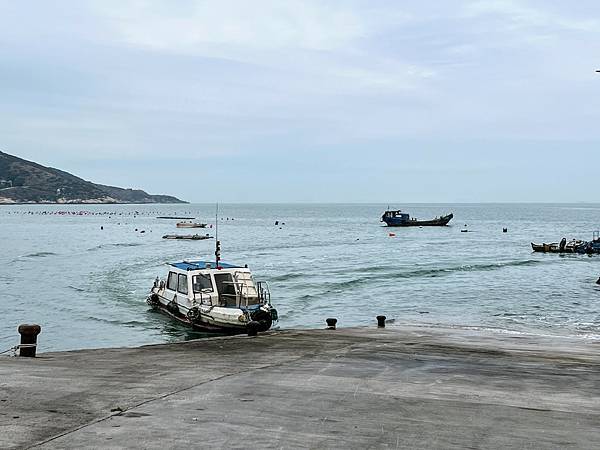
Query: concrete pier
pixel 345 388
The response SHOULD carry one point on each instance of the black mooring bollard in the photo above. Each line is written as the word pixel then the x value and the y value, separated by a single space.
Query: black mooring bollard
pixel 252 328
pixel 331 323
pixel 381 321
pixel 29 335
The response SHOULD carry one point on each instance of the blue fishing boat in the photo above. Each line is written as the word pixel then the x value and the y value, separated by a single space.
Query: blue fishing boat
pixel 398 218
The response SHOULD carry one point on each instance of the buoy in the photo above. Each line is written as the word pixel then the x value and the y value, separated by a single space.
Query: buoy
pixel 381 321
pixel 504 230
pixel 391 234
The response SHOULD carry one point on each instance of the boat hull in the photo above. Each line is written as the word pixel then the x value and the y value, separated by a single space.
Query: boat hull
pixel 211 319
pixel 201 326
pixel 578 248
pixel 191 225
pixel 397 222
pixel 188 237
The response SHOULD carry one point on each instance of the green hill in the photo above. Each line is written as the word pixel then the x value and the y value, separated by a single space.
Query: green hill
pixel 23 181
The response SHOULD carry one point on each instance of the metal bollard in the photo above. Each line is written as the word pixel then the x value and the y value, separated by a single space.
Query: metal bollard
pixel 29 335
pixel 252 328
pixel 331 323
pixel 381 321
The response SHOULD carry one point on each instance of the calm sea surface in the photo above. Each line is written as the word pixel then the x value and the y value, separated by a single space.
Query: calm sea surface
pixel 86 286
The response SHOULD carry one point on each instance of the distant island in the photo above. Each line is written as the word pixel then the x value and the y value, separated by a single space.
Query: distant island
pixel 23 181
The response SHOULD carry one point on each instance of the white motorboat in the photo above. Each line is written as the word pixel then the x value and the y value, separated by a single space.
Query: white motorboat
pixel 214 296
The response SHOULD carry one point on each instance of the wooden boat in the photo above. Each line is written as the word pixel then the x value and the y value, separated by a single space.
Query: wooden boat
pixel 190 225
pixel 554 247
pixel 190 237
pixel 573 246
pixel 400 219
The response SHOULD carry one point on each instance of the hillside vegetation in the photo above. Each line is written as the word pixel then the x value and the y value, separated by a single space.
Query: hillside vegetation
pixel 23 181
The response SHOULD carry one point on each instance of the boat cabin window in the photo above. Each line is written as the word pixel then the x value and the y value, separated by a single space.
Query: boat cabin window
pixel 202 283
pixel 183 287
pixel 172 283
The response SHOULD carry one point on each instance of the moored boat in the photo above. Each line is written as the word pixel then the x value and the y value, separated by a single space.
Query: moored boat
pixel 175 218
pixel 189 237
pixel 213 296
pixel 190 225
pixel 573 246
pixel 398 218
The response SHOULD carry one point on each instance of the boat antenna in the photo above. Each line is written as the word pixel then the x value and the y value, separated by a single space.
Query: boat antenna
pixel 217 243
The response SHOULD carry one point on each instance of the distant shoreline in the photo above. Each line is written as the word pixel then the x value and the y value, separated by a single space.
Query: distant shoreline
pixel 90 203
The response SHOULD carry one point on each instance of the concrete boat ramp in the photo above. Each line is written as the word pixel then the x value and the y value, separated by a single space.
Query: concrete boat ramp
pixel 407 387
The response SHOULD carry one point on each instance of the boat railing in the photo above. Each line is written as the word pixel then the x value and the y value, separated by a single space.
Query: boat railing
pixel 244 296
pixel 264 294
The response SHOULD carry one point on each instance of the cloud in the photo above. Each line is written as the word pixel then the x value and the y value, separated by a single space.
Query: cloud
pixel 260 81
pixel 266 24
pixel 525 16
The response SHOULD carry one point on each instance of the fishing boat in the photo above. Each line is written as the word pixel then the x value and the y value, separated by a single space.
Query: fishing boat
pixel 189 237
pixel 398 218
pixel 213 296
pixel 190 225
pixel 556 247
pixel 573 246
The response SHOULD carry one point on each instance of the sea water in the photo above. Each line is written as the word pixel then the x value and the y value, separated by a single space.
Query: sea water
pixel 83 271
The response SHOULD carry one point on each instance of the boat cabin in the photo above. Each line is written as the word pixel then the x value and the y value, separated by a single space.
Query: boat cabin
pixel 398 215
pixel 203 283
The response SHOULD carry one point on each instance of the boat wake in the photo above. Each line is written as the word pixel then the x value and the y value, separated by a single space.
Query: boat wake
pixel 34 256
pixel 384 273
pixel 118 244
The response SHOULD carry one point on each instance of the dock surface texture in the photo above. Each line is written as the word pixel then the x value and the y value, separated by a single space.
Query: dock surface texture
pixel 407 387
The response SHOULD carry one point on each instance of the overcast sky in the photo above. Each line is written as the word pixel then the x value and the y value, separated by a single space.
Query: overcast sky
pixel 349 101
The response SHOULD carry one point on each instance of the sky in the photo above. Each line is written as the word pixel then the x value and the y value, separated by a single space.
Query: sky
pixel 309 100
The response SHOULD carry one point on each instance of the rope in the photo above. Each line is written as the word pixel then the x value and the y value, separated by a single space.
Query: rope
pixel 10 349
pixel 17 347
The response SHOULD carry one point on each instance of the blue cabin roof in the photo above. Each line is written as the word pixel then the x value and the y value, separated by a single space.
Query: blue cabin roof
pixel 196 265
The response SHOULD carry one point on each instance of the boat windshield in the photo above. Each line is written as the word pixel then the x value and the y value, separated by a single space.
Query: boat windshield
pixel 202 283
